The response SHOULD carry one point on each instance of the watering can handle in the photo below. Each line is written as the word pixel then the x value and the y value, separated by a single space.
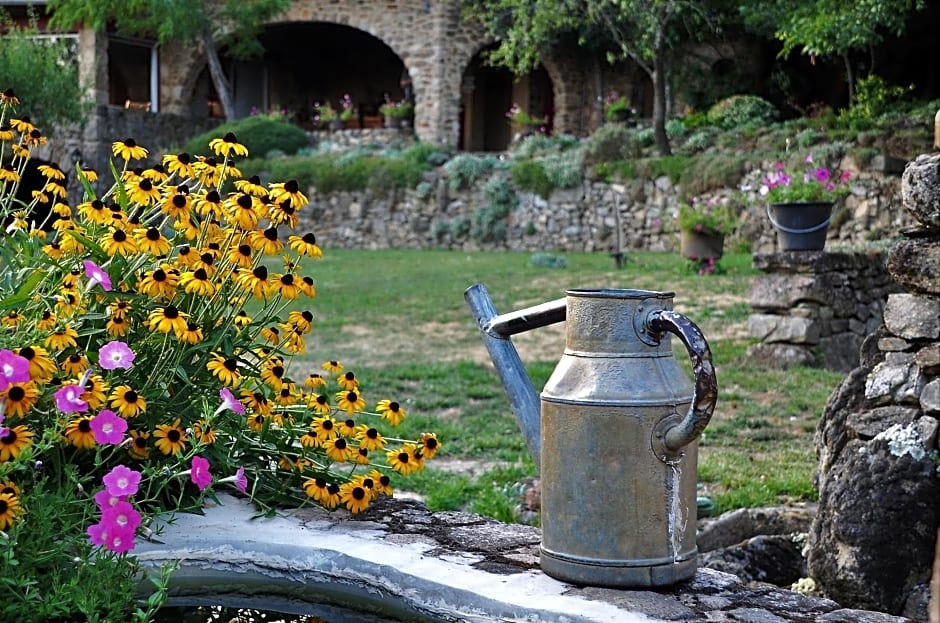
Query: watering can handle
pixel 706 385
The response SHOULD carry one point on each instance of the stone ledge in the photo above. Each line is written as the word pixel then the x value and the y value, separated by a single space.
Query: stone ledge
pixel 399 561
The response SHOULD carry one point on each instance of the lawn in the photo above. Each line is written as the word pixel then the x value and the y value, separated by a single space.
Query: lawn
pixel 399 319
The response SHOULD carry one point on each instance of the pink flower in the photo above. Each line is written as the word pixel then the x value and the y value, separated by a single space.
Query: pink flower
pixel 105 500
pixel 106 536
pixel 241 480
pixel 68 399
pixel 115 355
pixel 97 276
pixel 108 427
pixel 229 401
pixel 13 368
pixel 122 481
pixel 199 473
pixel 121 516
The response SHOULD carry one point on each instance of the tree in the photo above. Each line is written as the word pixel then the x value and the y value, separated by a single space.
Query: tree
pixel 645 31
pixel 232 25
pixel 42 72
pixel 823 28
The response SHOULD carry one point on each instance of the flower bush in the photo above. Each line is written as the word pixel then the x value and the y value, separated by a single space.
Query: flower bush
pixel 397 110
pixel 617 107
pixel 811 184
pixel 708 217
pixel 325 112
pixel 519 117
pixel 145 363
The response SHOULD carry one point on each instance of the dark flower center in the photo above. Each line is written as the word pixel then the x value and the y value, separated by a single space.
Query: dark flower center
pixel 179 201
pixel 244 201
pixel 287 279
pixel 271 233
pixel 291 186
pixel 10 438
pixel 261 272
pixel 84 425
pixel 340 444
pixel 153 234
pixel 430 443
pixel 145 185
pixel 231 365
pixel 129 142
pixel 119 235
pixel 244 249
pixel 171 312
pixel 173 435
pixel 359 493
pixel 200 274
pixel 183 158
pixel 16 393
pixel 230 137
pixel 130 396
pixel 310 238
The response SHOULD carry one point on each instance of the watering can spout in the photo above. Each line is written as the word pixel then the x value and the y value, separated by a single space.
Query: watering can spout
pixel 496 331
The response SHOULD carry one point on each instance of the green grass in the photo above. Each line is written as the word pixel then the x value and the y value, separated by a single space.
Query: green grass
pixel 399 319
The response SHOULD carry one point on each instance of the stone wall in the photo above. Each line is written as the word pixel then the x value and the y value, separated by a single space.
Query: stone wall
pixel 585 218
pixel 873 539
pixel 815 308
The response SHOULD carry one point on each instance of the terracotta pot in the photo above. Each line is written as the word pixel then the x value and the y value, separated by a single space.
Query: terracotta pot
pixel 801 226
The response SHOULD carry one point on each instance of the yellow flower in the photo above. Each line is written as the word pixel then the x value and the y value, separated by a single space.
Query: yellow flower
pixel 355 497
pixel 117 242
pixel 288 190
pixel 79 433
pixel 16 439
pixel 138 449
pixel 151 241
pixel 305 245
pixel 197 282
pixel 391 411
pixel 127 402
pixel 405 460
pixel 337 449
pixel 179 164
pixel 225 369
pixel 167 319
pixel 170 438
pixel 350 401
pixel 192 334
pixel 226 145
pixel 10 510
pixel 128 149
pixel 20 398
pixel 61 339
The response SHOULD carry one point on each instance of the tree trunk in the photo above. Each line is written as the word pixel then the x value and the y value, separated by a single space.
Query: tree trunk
pixel 222 86
pixel 849 78
pixel 659 102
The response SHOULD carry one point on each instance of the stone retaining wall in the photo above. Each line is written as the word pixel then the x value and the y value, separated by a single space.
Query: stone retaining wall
pixel 815 308
pixel 585 218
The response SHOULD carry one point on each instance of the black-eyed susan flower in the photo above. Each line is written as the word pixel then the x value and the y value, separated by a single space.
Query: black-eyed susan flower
pixel 337 449
pixel 255 282
pixel 266 241
pixel 8 172
pixel 12 319
pixel 243 211
pixel 10 510
pixel 7 134
pixel 96 391
pixel 47 320
pixel 288 190
pixel 331 499
pixel 225 369
pixel 128 149
pixel 430 445
pixel 294 342
pixel 242 319
pixel 10 487
pixel 117 326
pixel 325 427
pixel 90 175
pixel 197 282
pixel 305 245
pixel 127 402
pixel 8 97
pixel 167 320
pixel 271 335
pixel 360 456
pixel 355 497
pixel 391 411
pixel 192 334
pixel 152 241
pixel 61 338
pixel 22 124
pixel 241 256
pixel 307 286
pixel 159 282
pixel 179 164
pixel 287 286
pixel 333 367
pixel 283 213
pixel 170 438
pixel 75 364
pixel 256 421
pixel 347 427
pixel 320 403
pixel 256 401
pixel 348 380
pixel 287 395
pixel 314 380
pixel 41 366
pixel 15 440
pixel 79 433
pixel 95 211
pixel 143 192
pixel 34 138
pixel 204 432
pixel 156 174
pixel 20 398
pixel 273 373
pixel 206 261
pixel 227 145
pixel 251 186
pixel 301 320
pixel 350 401
pixel 310 439
pixel 381 482
pixel 139 447
pixel 405 460
pixel 369 437
pixel 316 488
pixel 118 242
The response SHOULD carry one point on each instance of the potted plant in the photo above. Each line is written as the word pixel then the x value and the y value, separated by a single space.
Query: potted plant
pixel 524 123
pixel 335 119
pixel 397 113
pixel 617 108
pixel 703 225
pixel 800 203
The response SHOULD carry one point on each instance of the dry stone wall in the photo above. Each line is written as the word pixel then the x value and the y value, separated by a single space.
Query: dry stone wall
pixel 873 539
pixel 592 217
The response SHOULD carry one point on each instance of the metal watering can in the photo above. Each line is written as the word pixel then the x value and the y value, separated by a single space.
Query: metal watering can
pixel 614 434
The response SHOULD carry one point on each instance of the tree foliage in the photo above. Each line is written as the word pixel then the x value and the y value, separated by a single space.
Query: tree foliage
pixel 232 25
pixel 42 71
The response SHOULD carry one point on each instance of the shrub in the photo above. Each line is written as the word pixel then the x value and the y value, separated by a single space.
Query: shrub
pixel 611 142
pixel 564 170
pixel 260 134
pixel 740 111
pixel 530 176
pixel 464 169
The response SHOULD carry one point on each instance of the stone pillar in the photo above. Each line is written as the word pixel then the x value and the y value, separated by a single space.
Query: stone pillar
pixel 872 541
pixel 815 308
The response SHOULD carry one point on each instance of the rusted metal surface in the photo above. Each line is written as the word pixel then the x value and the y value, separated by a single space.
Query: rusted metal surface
pixel 616 424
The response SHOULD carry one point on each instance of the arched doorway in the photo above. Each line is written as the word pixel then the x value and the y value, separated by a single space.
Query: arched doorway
pixel 315 62
pixel 487 94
